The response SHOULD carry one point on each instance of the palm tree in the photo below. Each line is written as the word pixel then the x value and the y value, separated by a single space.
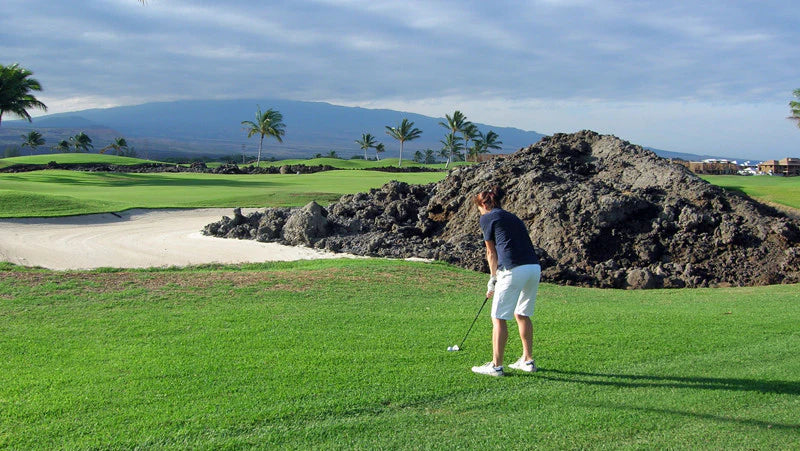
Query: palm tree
pixel 15 88
pixel 486 143
pixel 403 132
pixel 366 142
pixel 795 105
pixel 444 153
pixel 419 157
pixel 379 149
pixel 33 140
pixel 430 158
pixel 81 142
pixel 452 145
pixel 268 123
pixel 119 145
pixel 455 124
pixel 470 132
pixel 333 154
pixel 62 146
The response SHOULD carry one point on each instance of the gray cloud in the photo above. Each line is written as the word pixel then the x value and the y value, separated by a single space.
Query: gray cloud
pixel 366 51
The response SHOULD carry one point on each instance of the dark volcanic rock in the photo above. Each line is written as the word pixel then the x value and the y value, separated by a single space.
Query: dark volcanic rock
pixel 306 225
pixel 601 211
pixel 229 168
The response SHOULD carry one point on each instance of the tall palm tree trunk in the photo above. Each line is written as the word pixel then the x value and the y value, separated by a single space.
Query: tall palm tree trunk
pixel 260 145
pixel 400 161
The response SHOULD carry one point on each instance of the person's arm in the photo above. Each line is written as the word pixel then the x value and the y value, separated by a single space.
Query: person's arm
pixel 491 258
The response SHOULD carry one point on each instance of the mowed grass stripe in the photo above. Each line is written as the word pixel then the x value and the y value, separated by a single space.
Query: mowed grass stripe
pixel 311 354
pixel 91 192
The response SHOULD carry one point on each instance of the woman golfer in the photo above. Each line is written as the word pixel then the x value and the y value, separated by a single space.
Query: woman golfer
pixel 515 273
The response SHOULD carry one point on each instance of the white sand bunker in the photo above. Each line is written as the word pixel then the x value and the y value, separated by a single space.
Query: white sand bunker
pixel 134 239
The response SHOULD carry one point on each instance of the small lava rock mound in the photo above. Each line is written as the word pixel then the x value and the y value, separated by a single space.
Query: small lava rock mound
pixel 602 212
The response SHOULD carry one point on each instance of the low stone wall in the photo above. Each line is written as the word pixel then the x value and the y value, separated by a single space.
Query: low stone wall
pixel 197 167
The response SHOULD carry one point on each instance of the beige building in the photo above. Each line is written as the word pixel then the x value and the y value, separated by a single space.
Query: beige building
pixel 786 167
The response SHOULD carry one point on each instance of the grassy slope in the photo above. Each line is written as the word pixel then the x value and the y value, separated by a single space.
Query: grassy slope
pixel 112 159
pixel 299 355
pixel 779 190
pixel 64 158
pixel 357 164
pixel 56 193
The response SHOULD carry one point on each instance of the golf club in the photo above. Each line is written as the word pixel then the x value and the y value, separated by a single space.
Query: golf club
pixel 458 347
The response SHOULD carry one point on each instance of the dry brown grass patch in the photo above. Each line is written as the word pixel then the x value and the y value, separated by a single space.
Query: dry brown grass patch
pixel 189 281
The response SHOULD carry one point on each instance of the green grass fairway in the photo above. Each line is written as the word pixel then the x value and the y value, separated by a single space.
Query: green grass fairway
pixel 359 164
pixel 59 193
pixel 73 158
pixel 84 158
pixel 310 355
pixel 779 190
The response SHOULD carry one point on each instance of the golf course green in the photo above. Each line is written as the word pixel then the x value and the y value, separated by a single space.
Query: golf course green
pixel 64 192
pixel 771 189
pixel 351 353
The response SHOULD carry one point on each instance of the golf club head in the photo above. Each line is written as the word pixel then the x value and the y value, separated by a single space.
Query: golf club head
pixel 453 348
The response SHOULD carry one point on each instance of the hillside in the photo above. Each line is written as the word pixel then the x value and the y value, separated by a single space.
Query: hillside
pixel 214 127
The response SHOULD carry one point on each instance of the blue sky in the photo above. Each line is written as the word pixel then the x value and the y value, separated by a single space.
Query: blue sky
pixel 706 77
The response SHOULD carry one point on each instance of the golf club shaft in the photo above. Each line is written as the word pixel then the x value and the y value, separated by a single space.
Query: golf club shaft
pixel 473 323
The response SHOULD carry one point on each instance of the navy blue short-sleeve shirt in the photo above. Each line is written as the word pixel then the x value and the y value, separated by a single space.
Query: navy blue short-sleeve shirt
pixel 511 239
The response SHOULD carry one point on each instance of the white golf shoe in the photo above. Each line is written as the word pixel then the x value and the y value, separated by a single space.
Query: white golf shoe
pixel 522 365
pixel 488 369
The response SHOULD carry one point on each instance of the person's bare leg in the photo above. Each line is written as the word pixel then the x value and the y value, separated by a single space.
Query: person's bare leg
pixel 499 339
pixel 525 335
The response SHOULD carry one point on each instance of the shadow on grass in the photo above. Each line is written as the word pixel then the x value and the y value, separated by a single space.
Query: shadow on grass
pixel 704 416
pixel 703 383
pixel 735 189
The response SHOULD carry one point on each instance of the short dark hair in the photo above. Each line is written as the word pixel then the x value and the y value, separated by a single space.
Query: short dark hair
pixel 490 198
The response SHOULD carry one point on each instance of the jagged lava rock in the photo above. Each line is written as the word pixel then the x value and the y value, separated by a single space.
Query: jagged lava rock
pixel 601 211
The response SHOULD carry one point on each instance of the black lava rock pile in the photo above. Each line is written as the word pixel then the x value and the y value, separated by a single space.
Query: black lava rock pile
pixel 602 212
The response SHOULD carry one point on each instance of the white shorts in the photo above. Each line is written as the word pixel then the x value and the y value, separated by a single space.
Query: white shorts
pixel 515 292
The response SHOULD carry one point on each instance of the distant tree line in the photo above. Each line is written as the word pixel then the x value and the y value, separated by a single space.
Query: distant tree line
pixel 79 143
pixel 454 145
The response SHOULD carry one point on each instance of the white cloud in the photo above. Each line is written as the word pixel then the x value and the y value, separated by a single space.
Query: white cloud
pixel 545 65
pixel 76 103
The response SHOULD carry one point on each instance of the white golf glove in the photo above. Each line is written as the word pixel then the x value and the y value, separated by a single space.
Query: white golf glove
pixel 491 284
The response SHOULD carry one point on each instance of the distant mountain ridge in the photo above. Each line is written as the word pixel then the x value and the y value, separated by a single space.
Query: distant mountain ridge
pixel 214 126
